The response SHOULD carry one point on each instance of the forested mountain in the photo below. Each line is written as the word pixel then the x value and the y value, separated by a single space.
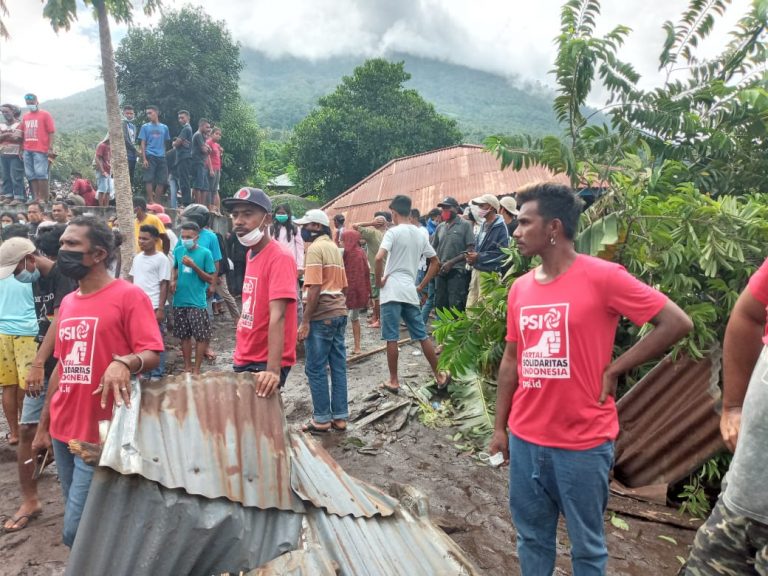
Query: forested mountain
pixel 284 90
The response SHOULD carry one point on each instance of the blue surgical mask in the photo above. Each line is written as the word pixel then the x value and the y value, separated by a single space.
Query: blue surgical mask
pixel 188 244
pixel 34 107
pixel 27 277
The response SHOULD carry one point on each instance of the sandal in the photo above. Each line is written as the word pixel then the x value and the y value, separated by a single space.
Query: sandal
pixel 339 425
pixel 26 518
pixel 312 428
pixel 448 380
pixel 11 440
pixel 391 389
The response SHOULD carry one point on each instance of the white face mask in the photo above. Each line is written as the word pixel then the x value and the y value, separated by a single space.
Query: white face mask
pixel 254 236
pixel 480 213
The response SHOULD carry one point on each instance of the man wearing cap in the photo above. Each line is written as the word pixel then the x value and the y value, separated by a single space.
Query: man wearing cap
pixel 18 327
pixel 491 238
pixel 265 341
pixel 509 211
pixel 324 324
pixel 373 233
pixel 38 129
pixel 49 286
pixel 453 238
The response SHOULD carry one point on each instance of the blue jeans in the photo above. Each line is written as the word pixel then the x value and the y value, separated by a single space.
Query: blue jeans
pixel 75 478
pixel 13 176
pixel 160 370
pixel 173 189
pixel 544 482
pixel 325 347
pixel 430 303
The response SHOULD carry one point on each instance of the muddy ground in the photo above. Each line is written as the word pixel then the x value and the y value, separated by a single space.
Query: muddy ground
pixel 467 499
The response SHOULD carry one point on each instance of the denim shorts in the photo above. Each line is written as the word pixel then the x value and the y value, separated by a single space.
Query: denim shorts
pixel 33 407
pixel 393 312
pixel 105 184
pixel 36 165
pixel 199 176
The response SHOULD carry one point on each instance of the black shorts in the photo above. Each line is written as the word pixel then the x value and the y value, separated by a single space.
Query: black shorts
pixel 191 323
pixel 199 176
pixel 157 171
pixel 256 367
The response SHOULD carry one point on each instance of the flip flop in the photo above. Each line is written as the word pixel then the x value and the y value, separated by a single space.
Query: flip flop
pixel 312 428
pixel 448 380
pixel 337 427
pixel 391 389
pixel 16 519
pixel 11 441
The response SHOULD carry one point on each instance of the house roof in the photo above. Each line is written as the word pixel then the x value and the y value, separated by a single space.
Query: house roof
pixel 464 171
pixel 281 181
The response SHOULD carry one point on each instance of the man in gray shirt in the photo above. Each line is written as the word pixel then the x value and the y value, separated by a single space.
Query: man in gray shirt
pixel 734 539
pixel 453 238
pixel 183 145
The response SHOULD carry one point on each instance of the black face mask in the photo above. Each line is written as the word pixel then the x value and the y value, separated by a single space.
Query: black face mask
pixel 310 235
pixel 70 263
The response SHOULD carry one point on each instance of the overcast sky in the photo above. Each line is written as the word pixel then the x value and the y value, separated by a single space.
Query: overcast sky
pixel 511 37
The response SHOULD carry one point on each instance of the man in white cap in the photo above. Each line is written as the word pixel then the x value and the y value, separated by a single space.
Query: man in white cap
pixel 324 324
pixel 486 256
pixel 509 212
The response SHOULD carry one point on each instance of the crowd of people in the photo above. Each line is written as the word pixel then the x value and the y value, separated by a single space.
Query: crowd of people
pixel 75 337
pixel 176 172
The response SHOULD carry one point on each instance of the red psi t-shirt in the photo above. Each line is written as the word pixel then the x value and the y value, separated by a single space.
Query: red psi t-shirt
pixel 758 287
pixel 269 275
pixel 37 128
pixel 118 319
pixel 565 332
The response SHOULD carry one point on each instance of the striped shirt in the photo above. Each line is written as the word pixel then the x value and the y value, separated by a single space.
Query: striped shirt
pixel 324 266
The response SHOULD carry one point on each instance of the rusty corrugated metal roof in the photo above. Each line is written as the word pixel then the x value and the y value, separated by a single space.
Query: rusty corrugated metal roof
pixel 464 172
pixel 669 422
pixel 317 478
pixel 208 435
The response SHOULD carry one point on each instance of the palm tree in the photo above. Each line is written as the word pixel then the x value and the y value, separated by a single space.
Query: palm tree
pixel 61 15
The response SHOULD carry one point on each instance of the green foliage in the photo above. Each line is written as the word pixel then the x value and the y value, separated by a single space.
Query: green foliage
pixel 188 61
pixel 75 152
pixel 62 13
pixel 367 121
pixel 274 160
pixel 695 500
pixel 240 139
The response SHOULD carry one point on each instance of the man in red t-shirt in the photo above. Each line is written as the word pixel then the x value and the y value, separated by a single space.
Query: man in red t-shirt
pixel 266 333
pixel 215 175
pixel 38 129
pixel 83 188
pixel 557 380
pixel 106 334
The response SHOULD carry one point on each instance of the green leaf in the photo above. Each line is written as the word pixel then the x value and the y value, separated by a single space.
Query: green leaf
pixel 667 539
pixel 619 523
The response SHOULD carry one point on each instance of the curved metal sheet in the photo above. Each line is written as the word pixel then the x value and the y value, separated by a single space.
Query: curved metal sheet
pixel 209 435
pixel 317 478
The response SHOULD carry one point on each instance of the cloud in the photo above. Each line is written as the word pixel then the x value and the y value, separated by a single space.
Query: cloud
pixel 508 37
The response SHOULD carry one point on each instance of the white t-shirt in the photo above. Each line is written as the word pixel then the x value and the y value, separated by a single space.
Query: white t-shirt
pixel 148 272
pixel 423 261
pixel 406 245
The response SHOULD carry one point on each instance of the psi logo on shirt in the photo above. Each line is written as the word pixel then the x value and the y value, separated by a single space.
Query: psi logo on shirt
pixel 249 302
pixel 544 332
pixel 77 337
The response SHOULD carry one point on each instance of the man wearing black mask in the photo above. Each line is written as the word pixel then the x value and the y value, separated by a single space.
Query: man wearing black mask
pixel 452 240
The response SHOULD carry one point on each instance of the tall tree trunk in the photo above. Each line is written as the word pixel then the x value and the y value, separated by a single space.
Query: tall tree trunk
pixel 123 195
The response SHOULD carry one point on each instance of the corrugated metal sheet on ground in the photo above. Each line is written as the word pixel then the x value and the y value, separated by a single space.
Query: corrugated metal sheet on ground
pixel 391 546
pixel 134 527
pixel 209 435
pixel 669 422
pixel 317 478
pixel 464 172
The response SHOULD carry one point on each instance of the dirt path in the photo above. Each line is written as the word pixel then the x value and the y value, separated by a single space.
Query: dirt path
pixel 468 500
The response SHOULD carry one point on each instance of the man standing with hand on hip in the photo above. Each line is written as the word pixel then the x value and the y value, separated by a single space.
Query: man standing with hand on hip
pixel 557 381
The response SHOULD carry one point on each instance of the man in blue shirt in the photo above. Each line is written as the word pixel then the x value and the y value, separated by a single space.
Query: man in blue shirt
pixel 154 136
pixel 193 270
